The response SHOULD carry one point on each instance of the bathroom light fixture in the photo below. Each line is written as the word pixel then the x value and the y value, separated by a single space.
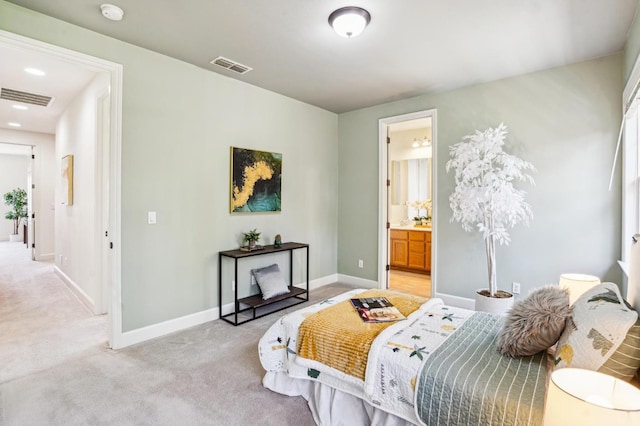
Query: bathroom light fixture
pixel 415 143
pixel 349 21
pixel 426 142
pixel 112 12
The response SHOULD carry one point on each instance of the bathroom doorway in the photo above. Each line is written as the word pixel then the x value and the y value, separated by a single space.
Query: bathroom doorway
pixel 408 203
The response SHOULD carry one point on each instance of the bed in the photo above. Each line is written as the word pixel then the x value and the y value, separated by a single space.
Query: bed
pixel 439 366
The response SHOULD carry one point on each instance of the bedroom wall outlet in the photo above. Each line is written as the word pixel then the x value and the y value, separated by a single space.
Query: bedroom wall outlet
pixel 515 288
pixel 360 263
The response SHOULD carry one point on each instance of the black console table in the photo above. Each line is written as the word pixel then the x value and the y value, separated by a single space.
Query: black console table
pixel 255 303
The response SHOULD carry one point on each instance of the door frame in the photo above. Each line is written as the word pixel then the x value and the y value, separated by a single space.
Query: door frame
pixel 383 194
pixel 111 188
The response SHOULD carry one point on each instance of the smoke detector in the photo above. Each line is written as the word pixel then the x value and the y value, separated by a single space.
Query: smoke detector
pixel 112 12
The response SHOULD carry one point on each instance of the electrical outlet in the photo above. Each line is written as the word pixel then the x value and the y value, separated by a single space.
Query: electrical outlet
pixel 360 263
pixel 515 288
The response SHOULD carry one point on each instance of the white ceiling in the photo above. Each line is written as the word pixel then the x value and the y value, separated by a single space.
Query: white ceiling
pixel 411 47
pixel 62 81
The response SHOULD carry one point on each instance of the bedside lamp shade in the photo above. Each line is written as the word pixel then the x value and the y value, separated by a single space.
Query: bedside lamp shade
pixel 577 284
pixel 584 397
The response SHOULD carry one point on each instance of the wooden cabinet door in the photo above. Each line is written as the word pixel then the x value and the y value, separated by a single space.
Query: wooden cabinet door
pixel 399 252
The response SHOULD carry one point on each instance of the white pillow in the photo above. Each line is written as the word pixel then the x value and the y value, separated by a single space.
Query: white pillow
pixel 270 281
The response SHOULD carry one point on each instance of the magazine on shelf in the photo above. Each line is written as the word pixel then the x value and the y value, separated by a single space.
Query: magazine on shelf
pixel 376 309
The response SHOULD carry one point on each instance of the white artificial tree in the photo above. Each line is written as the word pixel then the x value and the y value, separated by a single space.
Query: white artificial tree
pixel 485 198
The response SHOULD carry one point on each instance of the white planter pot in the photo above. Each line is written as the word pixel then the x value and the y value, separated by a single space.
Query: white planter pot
pixel 493 305
pixel 15 238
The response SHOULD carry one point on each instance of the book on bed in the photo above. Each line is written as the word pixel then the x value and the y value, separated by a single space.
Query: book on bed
pixel 376 309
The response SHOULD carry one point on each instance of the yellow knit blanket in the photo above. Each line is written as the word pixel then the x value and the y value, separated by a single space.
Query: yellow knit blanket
pixel 337 336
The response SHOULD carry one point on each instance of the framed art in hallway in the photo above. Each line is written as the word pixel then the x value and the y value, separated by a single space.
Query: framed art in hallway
pixel 66 174
pixel 256 181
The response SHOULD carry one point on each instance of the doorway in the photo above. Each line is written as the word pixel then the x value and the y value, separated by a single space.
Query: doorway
pixel 107 166
pixel 407 190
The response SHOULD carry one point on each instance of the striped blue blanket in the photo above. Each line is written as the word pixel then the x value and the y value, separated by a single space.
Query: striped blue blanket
pixel 467 382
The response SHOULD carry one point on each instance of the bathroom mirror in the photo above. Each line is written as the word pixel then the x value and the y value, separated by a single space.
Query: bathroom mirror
pixel 410 180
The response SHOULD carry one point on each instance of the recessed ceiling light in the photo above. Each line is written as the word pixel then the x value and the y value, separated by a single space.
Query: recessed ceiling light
pixel 12 124
pixel 20 107
pixel 112 12
pixel 35 71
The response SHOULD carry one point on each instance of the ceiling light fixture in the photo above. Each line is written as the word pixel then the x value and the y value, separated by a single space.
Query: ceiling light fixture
pixel 20 107
pixel 112 12
pixel 35 71
pixel 13 124
pixel 349 21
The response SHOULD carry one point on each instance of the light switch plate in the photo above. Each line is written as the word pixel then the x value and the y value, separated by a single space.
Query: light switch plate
pixel 152 218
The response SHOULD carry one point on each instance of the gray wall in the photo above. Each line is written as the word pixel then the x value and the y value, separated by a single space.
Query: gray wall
pixel 178 124
pixel 564 120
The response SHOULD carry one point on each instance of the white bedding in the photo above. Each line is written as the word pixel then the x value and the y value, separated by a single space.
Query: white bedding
pixel 394 360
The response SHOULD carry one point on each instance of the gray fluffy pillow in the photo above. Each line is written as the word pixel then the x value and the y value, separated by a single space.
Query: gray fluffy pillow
pixel 271 282
pixel 535 323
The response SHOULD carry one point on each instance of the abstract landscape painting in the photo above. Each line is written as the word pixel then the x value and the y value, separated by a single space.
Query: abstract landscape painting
pixel 255 181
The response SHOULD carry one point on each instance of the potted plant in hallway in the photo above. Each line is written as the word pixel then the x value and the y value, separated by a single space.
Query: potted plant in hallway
pixel 17 200
pixel 485 200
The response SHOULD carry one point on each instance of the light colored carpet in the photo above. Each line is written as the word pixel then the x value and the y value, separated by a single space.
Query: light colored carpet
pixel 55 368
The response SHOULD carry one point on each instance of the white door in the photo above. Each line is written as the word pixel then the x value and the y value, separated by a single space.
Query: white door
pixel 31 228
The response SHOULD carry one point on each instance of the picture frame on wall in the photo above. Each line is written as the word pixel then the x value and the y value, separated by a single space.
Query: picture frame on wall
pixel 66 175
pixel 256 181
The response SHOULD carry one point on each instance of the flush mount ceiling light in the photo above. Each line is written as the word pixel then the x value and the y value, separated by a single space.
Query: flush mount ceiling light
pixel 112 12
pixel 349 21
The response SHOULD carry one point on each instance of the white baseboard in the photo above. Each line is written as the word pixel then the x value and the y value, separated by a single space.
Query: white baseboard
pixel 320 282
pixel 46 256
pixel 170 326
pixel 76 290
pixel 357 281
pixel 460 302
pixel 177 324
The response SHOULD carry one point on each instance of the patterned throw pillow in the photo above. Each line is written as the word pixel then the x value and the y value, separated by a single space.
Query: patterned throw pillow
pixel 604 336
pixel 534 324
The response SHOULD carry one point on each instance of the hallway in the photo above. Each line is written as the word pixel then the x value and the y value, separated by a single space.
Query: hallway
pixel 41 322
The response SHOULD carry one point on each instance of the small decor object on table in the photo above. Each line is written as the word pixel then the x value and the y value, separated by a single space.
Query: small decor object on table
pixel 251 237
pixel 376 309
pixel 278 241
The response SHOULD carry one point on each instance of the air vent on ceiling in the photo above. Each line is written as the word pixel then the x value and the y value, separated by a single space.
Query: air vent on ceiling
pixel 25 97
pixel 223 62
